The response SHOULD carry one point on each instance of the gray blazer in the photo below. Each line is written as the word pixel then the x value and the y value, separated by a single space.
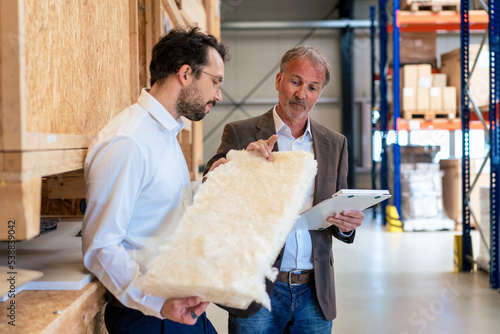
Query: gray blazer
pixel 330 151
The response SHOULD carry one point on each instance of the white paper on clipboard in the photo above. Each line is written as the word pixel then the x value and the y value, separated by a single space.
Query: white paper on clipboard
pixel 344 199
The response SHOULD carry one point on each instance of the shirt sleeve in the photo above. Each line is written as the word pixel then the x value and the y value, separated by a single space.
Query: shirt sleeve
pixel 346 234
pixel 114 176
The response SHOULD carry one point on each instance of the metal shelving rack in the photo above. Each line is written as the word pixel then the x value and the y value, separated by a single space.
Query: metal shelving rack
pixel 494 44
pixel 465 113
pixel 384 105
pixel 494 119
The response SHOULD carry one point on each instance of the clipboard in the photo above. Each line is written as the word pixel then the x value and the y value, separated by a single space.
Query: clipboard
pixel 344 199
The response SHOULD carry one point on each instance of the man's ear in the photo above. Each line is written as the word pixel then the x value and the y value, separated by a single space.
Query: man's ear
pixel 185 74
pixel 278 81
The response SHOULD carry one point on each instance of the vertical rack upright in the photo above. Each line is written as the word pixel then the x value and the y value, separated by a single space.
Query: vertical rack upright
pixel 384 106
pixel 494 45
pixel 373 98
pixel 465 113
pixel 396 110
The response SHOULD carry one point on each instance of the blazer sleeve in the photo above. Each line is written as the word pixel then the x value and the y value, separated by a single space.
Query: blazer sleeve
pixel 229 141
pixel 342 184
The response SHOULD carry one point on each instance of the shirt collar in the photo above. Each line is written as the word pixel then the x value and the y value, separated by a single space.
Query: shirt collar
pixel 159 113
pixel 283 129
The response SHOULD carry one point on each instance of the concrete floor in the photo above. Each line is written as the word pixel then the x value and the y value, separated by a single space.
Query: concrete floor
pixel 403 283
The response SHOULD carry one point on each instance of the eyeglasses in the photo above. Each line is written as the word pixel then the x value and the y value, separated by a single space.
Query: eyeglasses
pixel 217 86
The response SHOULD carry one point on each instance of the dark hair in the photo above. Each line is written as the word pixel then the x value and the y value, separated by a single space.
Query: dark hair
pixel 180 47
pixel 310 53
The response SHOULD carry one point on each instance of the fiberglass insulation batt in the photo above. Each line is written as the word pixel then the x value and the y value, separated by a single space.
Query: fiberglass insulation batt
pixel 229 238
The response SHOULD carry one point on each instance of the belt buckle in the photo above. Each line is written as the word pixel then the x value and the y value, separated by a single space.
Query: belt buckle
pixel 290 277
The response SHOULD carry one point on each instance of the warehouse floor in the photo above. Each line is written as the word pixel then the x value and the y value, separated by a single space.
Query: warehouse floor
pixel 403 283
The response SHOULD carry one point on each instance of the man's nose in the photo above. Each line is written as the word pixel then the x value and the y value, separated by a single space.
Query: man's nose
pixel 218 96
pixel 301 92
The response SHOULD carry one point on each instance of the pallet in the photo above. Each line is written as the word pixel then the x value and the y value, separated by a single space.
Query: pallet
pixel 429 115
pixel 435 6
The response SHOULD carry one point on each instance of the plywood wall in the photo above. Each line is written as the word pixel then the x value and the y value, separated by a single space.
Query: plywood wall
pixel 77 64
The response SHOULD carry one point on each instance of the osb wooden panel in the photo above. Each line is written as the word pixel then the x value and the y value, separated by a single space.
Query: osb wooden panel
pixel 80 311
pixel 0 78
pixel 60 207
pixel 77 64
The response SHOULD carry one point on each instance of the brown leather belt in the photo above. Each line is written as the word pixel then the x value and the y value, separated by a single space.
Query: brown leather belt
pixel 297 277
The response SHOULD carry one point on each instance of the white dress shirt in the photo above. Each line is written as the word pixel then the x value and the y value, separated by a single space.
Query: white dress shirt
pixel 137 187
pixel 298 246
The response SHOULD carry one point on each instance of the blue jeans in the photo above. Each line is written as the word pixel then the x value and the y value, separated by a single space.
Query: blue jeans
pixel 295 309
pixel 122 320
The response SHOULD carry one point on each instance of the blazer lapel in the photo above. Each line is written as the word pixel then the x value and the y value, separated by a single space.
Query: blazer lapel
pixel 266 128
pixel 321 153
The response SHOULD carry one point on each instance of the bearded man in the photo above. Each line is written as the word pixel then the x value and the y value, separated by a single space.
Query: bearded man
pixel 138 185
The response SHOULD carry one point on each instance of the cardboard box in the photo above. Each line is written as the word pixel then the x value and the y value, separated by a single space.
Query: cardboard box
pixel 405 4
pixel 410 76
pixel 439 80
pixel 436 98
pixel 451 169
pixel 409 99
pixel 449 98
pixel 452 187
pixel 423 98
pixel 479 81
pixel 424 75
pixel 418 48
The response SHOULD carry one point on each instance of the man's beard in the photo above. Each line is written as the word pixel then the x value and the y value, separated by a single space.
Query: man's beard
pixel 287 107
pixel 190 105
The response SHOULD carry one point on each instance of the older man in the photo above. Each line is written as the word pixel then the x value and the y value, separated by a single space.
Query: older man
pixel 303 298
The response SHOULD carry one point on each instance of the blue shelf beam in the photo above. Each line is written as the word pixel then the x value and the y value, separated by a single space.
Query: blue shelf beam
pixel 465 112
pixel 396 108
pixel 494 46
pixel 373 97
pixel 384 106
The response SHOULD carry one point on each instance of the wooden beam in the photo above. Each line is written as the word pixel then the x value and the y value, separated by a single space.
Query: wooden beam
pixel 134 51
pixel 26 165
pixel 70 311
pixel 54 141
pixel 174 13
pixel 213 17
pixel 66 185
pixel 157 21
pixel 143 66
pixel 149 38
pixel 194 14
pixel 197 151
pixel 20 203
pixel 13 109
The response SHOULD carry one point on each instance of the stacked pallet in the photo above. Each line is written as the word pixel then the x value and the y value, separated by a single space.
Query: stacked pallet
pixel 426 95
pixel 432 5
pixel 422 198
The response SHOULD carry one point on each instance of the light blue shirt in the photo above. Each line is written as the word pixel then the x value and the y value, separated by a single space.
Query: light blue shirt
pixel 298 247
